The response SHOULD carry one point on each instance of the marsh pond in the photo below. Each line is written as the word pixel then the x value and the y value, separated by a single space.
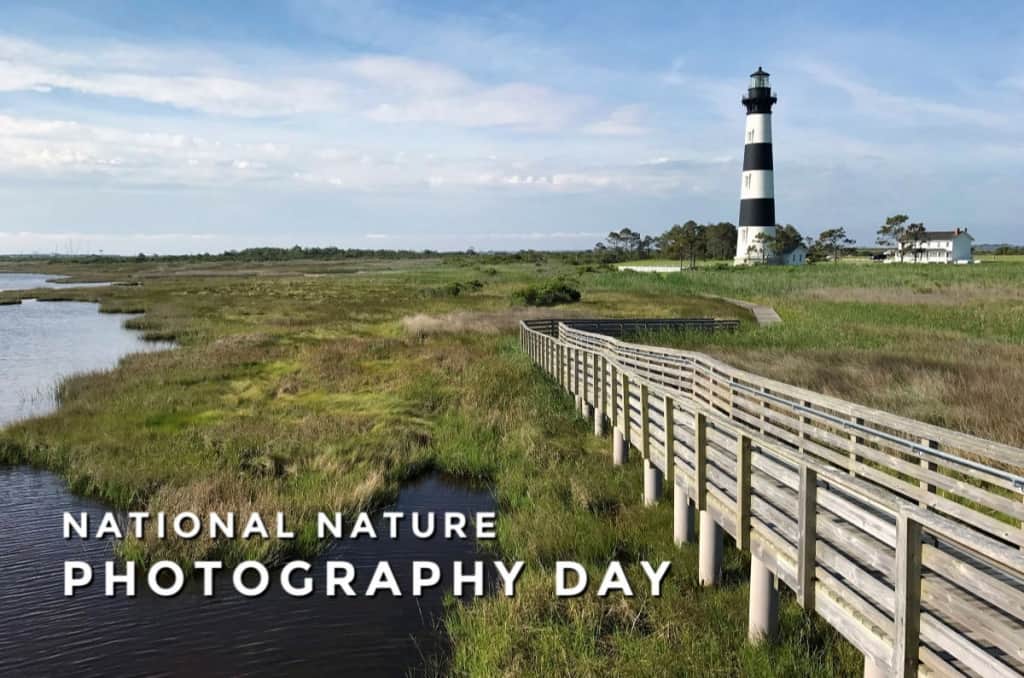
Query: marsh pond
pixel 42 632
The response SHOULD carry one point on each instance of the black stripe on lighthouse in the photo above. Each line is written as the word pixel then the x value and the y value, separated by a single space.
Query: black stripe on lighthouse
pixel 757 157
pixel 757 212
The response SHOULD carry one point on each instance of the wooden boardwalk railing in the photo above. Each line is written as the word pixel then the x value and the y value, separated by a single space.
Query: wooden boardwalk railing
pixel 905 537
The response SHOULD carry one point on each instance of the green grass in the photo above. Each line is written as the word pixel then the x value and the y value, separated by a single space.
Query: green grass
pixel 298 393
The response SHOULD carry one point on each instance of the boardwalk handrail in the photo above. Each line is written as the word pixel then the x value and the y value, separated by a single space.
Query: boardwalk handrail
pixel 905 536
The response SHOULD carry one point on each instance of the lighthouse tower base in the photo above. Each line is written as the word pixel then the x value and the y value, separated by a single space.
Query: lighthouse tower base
pixel 749 248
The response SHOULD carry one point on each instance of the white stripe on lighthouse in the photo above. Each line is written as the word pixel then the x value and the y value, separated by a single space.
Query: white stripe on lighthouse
pixel 757 184
pixel 759 128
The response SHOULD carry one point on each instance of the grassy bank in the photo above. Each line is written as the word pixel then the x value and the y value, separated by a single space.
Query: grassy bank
pixel 322 386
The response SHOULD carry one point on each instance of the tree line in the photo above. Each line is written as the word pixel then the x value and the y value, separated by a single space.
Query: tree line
pixel 690 242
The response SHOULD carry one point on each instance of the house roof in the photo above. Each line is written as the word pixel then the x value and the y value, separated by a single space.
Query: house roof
pixel 944 235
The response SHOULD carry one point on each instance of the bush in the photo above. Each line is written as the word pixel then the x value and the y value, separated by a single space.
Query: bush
pixel 454 289
pixel 551 294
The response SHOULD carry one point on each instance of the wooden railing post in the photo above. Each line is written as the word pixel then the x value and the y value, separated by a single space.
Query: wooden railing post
pixel 743 472
pixel 599 395
pixel 626 416
pixel 856 440
pixel 807 533
pixel 585 376
pixel 575 371
pixel 645 423
pixel 908 596
pixel 928 465
pixel 669 418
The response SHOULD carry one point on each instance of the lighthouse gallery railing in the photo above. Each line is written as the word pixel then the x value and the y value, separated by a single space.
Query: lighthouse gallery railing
pixel 905 537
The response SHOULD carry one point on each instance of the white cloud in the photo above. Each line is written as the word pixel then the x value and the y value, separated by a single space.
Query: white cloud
pixel 902 109
pixel 623 121
pixel 208 88
pixel 385 88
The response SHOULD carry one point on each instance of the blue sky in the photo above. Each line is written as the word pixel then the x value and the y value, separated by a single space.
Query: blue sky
pixel 204 126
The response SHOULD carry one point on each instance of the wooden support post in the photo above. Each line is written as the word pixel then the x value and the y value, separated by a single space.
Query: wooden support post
pixel 684 524
pixel 763 622
pixel 743 473
pixel 928 465
pixel 873 669
pixel 620 452
pixel 653 483
pixel 807 533
pixel 908 596
pixel 709 566
pixel 700 442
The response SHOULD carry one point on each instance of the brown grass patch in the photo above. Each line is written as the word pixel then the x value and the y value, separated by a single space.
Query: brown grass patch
pixel 422 324
pixel 933 295
pixel 970 387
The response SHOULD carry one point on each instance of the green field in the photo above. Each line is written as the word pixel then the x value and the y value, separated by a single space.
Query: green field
pixel 313 386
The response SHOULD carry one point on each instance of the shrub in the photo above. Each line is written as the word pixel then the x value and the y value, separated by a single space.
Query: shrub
pixel 557 292
pixel 454 289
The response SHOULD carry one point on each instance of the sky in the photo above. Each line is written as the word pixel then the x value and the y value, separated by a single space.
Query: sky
pixel 194 126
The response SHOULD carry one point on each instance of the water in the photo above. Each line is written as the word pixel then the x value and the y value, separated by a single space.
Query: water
pixel 44 633
pixel 30 281
pixel 44 341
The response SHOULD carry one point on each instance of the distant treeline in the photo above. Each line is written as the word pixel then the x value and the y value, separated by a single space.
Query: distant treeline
pixel 253 254
pixel 690 241
pixel 1000 249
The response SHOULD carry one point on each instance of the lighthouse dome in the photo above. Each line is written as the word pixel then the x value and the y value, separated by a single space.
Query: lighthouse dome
pixel 759 78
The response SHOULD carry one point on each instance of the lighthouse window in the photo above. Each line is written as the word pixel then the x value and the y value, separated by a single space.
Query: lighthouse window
pixel 750 135
pixel 747 179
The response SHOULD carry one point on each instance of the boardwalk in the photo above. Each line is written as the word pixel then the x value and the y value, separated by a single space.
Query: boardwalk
pixel 905 537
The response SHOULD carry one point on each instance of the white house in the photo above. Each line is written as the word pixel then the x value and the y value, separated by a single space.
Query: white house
pixel 939 247
pixel 795 256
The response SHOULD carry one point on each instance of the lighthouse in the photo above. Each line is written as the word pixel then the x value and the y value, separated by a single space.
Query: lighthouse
pixel 757 188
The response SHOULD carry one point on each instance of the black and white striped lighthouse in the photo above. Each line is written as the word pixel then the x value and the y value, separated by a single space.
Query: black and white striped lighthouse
pixel 757 189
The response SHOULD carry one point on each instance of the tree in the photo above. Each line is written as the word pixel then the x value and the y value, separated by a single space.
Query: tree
pixel 625 241
pixel 644 246
pixel 912 239
pixel 681 242
pixel 835 242
pixel 785 239
pixel 720 240
pixel 891 234
pixel 815 251
pixel 762 241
